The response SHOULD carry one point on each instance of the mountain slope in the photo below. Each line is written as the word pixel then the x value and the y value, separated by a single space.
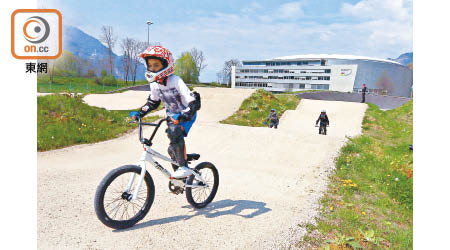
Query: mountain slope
pixel 90 48
pixel 404 59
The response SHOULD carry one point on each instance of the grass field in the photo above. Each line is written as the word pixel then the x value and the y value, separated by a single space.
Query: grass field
pixel 64 120
pixel 67 84
pixel 77 85
pixel 369 203
pixel 255 109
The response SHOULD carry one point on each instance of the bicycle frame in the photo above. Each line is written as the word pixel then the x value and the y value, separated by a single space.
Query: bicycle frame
pixel 148 155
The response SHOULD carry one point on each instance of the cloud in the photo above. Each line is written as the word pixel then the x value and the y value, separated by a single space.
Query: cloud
pixel 253 7
pixel 225 36
pixel 286 12
pixel 372 28
pixel 379 9
pixel 291 11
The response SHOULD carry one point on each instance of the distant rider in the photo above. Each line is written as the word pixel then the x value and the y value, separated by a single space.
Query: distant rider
pixel 324 122
pixel 273 118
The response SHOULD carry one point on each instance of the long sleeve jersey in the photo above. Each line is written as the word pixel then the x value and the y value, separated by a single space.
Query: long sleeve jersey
pixel 323 118
pixel 272 117
pixel 175 95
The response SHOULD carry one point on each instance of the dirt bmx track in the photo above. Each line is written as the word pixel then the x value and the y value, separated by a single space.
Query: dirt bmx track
pixel 270 180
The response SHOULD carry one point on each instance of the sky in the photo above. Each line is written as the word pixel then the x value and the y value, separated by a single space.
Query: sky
pixel 251 30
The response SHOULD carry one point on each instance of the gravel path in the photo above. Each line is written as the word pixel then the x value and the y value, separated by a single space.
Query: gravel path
pixel 270 181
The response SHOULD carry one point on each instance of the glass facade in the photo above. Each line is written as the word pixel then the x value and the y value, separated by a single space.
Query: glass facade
pixel 287 75
pixel 281 63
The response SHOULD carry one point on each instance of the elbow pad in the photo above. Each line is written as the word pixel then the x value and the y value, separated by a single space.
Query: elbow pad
pixel 190 111
pixel 149 106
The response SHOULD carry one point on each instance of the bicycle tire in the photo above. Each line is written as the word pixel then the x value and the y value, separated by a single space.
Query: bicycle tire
pixel 103 187
pixel 215 185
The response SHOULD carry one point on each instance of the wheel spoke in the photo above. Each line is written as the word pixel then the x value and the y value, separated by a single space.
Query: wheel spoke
pixel 201 194
pixel 115 206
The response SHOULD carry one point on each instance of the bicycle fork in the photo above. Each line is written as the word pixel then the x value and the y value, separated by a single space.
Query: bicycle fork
pixel 144 157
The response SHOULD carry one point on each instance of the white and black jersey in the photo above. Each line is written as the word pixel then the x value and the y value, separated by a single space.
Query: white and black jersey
pixel 175 94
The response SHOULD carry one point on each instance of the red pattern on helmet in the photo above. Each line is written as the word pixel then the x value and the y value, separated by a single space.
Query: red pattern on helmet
pixel 163 53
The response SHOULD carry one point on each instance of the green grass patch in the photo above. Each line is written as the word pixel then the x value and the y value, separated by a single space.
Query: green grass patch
pixel 65 120
pixel 69 84
pixel 255 109
pixel 370 197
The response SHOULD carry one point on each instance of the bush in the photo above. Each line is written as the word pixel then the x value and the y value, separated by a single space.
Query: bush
pixel 106 80
pixel 215 84
pixel 109 80
pixel 255 109
pixel 91 73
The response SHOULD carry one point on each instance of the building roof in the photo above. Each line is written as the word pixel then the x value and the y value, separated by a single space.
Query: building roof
pixel 331 56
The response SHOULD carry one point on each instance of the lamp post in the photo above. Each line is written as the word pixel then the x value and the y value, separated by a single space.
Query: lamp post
pixel 148 32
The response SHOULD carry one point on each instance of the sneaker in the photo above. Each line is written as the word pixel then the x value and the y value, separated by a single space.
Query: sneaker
pixel 181 172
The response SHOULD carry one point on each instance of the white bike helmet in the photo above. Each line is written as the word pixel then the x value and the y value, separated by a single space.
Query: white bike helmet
pixel 161 53
pixel 323 111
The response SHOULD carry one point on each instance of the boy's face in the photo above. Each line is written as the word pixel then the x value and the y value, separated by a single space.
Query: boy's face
pixel 154 65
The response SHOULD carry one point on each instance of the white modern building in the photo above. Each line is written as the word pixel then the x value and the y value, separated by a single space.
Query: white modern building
pixel 343 73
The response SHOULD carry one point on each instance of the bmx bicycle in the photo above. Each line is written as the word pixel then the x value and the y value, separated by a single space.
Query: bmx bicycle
pixel 126 193
pixel 271 124
pixel 322 129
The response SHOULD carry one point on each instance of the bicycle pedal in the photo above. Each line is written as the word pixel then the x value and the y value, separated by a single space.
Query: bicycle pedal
pixel 175 189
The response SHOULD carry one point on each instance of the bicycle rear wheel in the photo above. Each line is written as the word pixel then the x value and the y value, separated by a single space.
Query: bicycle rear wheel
pixel 113 204
pixel 201 196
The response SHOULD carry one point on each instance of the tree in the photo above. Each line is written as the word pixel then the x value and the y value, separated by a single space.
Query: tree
pixel 199 59
pixel 226 71
pixel 220 78
pixel 138 47
pixel 185 68
pixel 107 36
pixel 66 65
pixel 126 45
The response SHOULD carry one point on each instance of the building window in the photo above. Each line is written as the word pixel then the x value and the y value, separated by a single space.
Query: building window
pixel 327 70
pixel 320 86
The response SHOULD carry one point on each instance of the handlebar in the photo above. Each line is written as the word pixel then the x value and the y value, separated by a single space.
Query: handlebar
pixel 146 141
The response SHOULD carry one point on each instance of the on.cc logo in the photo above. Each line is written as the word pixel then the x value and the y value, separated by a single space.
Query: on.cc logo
pixel 36 29
pixel 36 34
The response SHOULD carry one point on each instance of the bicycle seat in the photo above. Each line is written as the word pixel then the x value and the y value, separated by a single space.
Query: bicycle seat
pixel 192 157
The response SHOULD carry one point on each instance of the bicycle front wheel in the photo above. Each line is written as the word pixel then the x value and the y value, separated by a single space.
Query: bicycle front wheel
pixel 204 192
pixel 113 204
